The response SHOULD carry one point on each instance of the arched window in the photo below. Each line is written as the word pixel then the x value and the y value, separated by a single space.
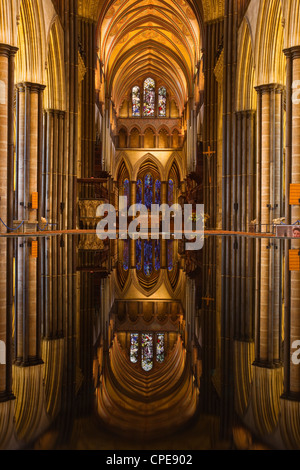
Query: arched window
pixel 147 352
pixel 149 97
pixel 160 347
pixel 162 102
pixel 126 190
pixel 151 345
pixel 148 192
pixel 134 348
pixel 170 254
pixel 158 192
pixel 136 101
pixel 126 255
pixel 148 256
pixel 171 192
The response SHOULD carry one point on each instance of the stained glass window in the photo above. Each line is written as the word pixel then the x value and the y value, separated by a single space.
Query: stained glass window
pixel 148 191
pixel 171 193
pixel 158 192
pixel 157 255
pixel 134 348
pixel 138 254
pixel 149 97
pixel 127 191
pixel 148 257
pixel 126 255
pixel 136 101
pixel 147 352
pixel 162 102
pixel 170 255
pixel 160 347
pixel 139 192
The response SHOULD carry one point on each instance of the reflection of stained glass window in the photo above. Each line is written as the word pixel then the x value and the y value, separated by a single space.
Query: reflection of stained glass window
pixel 160 348
pixel 134 348
pixel 136 101
pixel 148 191
pixel 126 255
pixel 158 192
pixel 170 255
pixel 149 97
pixel 171 193
pixel 127 191
pixel 147 352
pixel 148 258
pixel 162 102
pixel 138 254
pixel 139 192
pixel 157 255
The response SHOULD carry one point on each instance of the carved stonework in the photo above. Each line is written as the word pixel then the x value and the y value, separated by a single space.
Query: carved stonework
pixel 90 242
pixel 88 210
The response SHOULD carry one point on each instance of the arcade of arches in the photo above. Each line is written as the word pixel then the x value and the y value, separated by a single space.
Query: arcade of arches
pixel 137 344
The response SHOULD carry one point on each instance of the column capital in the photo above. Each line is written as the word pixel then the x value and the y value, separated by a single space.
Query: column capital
pixel 7 50
pixel 32 87
pixel 292 52
pixel 269 87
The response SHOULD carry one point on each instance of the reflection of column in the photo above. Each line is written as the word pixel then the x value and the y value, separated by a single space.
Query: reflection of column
pixel 53 197
pixel 270 124
pixel 164 192
pixel 29 148
pixel 292 281
pixel 27 349
pixel 7 57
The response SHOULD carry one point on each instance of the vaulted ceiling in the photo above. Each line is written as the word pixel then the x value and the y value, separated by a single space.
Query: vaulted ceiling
pixel 141 38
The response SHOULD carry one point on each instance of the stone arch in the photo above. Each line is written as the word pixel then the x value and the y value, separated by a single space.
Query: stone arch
pixel 55 76
pixel 269 42
pixel 151 158
pixel 246 95
pixel 149 138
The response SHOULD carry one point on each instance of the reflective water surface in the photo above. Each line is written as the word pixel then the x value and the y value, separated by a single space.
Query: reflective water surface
pixel 142 345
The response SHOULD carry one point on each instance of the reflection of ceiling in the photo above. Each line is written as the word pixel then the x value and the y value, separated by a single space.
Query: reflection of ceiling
pixel 145 405
pixel 140 38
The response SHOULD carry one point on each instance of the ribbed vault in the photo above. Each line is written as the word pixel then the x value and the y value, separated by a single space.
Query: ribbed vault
pixel 156 38
pixel 147 404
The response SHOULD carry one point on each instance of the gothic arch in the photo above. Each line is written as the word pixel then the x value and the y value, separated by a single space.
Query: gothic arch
pixel 122 158
pixel 55 75
pixel 143 160
pixel 269 43
pixel 246 95
pixel 177 161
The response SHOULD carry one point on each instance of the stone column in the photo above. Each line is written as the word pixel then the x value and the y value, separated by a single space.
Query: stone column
pixel 29 149
pixel 292 281
pixel 270 125
pixel 7 57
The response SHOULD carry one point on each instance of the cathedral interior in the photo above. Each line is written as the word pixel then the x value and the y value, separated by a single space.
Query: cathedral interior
pixel 130 344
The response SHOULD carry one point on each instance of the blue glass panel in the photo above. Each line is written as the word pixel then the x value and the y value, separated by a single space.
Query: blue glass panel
pixel 139 192
pixel 138 254
pixel 158 192
pixel 148 258
pixel 126 255
pixel 127 191
pixel 170 255
pixel 157 255
pixel 147 352
pixel 134 348
pixel 148 191
pixel 171 193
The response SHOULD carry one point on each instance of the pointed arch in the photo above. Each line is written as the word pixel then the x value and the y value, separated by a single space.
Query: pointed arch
pixel 55 75
pixel 269 42
pixel 246 95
